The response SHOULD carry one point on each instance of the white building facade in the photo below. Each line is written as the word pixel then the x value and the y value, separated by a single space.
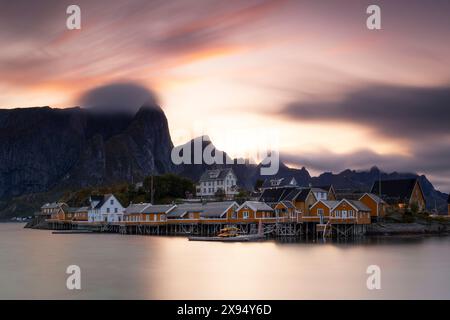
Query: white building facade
pixel 105 208
pixel 213 181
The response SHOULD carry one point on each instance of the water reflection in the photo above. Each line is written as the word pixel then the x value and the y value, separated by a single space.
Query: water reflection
pixel 33 262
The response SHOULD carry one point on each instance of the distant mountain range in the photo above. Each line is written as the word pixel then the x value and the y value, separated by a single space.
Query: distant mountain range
pixel 45 151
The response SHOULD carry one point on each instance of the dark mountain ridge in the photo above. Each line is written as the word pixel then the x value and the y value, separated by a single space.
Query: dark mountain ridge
pixel 45 151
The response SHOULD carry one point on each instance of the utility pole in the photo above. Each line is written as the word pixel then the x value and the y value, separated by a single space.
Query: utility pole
pixel 151 190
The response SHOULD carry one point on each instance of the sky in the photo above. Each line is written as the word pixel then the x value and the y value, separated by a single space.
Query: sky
pixel 335 94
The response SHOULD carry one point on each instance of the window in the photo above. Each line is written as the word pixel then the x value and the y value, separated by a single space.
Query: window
pixel 107 210
pixel 320 212
pixel 116 210
pixel 111 201
pixel 245 214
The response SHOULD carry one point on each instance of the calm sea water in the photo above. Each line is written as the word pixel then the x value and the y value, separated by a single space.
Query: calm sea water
pixel 33 265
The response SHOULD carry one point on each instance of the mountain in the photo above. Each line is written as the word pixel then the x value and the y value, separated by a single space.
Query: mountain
pixel 43 148
pixel 351 181
pixel 46 151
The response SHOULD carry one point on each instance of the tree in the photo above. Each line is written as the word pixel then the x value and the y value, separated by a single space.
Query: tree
pixel 168 187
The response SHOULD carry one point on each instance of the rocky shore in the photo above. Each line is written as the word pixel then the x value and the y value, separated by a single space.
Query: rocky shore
pixel 415 228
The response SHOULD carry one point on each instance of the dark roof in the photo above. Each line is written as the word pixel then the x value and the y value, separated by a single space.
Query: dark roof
pixel 394 190
pixel 286 193
pixel 215 174
pixel 288 204
pixel 303 194
pixel 102 199
pixel 448 200
pixel 180 210
pixel 325 187
pixel 216 209
pixel 275 195
pixel 279 182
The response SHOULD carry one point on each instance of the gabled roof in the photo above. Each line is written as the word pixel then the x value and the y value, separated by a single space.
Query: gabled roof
pixel 216 209
pixel 374 197
pixel 102 200
pixel 329 203
pixel 136 208
pixel 215 174
pixel 276 195
pixel 82 209
pixel 53 205
pixel 182 209
pixel 256 206
pixel 160 208
pixel 288 204
pixel 279 182
pixel 395 190
pixel 356 204
pixel 303 194
pixel 327 187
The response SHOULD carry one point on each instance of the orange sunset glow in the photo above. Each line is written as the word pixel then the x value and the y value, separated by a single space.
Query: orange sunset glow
pixel 310 70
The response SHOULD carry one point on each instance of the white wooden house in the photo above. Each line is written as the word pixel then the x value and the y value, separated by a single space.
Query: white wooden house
pixel 105 208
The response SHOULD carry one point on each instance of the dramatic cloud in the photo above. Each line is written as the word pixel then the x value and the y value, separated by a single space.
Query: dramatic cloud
pixel 124 96
pixel 406 112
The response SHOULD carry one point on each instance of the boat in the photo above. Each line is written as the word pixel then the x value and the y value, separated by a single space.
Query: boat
pixel 72 231
pixel 230 234
pixel 238 238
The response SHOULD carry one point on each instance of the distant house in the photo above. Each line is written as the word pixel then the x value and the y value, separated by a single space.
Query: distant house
pixel 376 205
pixel 54 211
pixel 105 208
pixel 400 193
pixel 276 183
pixel 80 214
pixel 217 180
pixel 254 210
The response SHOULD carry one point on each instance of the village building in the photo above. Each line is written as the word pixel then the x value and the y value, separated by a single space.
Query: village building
pixel 285 209
pixel 105 208
pixel 277 183
pixel 133 213
pixel 304 200
pixel 376 205
pixel 80 214
pixel 331 194
pixel 218 210
pixel 401 194
pixel 54 211
pixel 320 211
pixel 185 211
pixel 254 210
pixel 217 181
pixel 146 212
pixel 350 211
pixel 157 213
